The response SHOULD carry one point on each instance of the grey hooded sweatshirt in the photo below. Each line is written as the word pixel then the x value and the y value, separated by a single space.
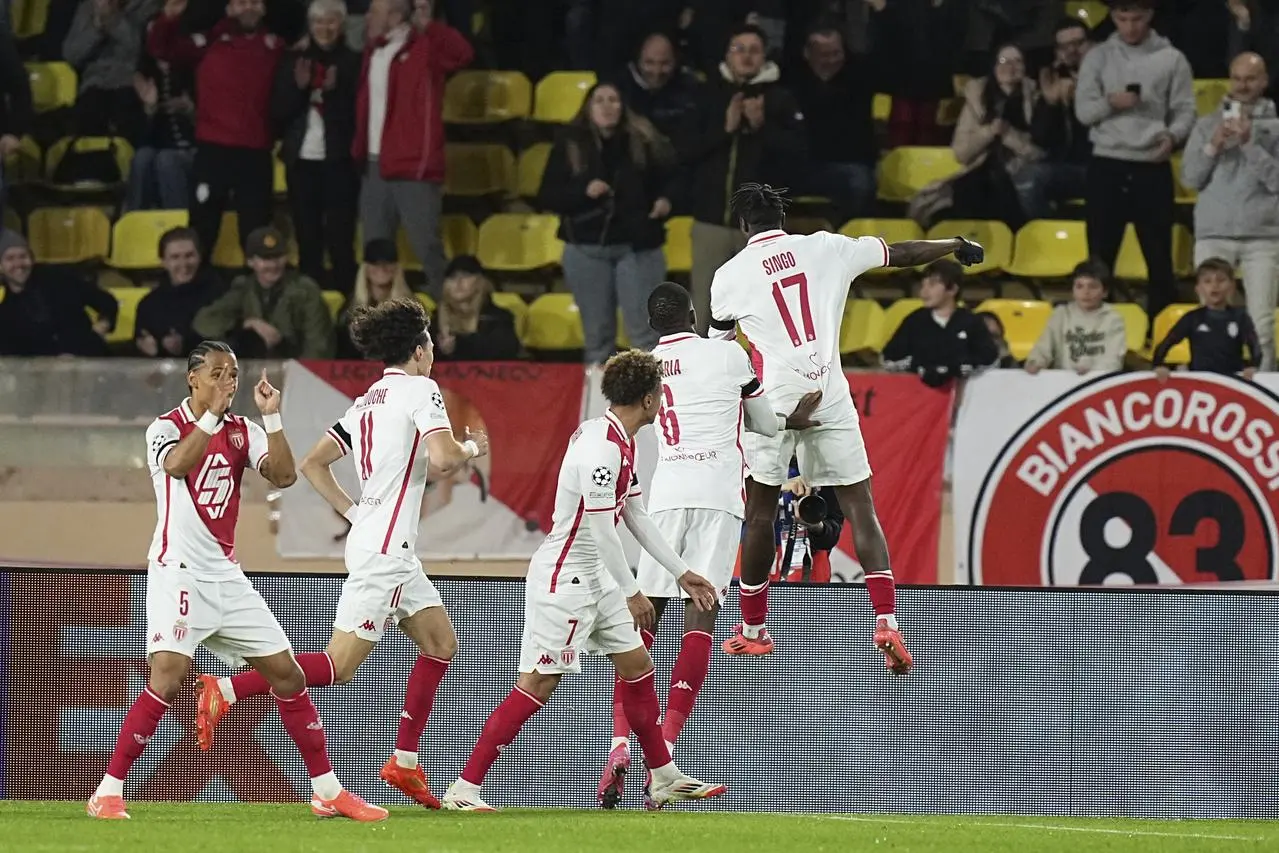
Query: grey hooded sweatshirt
pixel 1078 339
pixel 1239 185
pixel 1167 102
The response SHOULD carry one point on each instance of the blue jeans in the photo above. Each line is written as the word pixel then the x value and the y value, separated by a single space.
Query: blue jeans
pixel 850 185
pixel 604 278
pixel 159 179
pixel 1043 186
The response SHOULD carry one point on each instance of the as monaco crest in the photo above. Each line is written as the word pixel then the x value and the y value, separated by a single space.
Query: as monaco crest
pixel 237 440
pixel 179 629
pixel 1127 480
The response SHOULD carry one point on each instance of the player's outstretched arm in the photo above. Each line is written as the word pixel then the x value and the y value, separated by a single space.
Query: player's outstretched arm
pixel 651 540
pixel 278 466
pixel 317 467
pixel 910 253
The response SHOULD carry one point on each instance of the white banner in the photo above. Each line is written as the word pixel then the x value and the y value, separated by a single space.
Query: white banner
pixel 1116 479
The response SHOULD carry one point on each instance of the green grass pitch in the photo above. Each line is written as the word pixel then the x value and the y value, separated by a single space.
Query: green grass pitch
pixel 33 827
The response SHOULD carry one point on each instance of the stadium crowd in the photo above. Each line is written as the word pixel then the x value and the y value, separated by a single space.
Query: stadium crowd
pixel 1051 111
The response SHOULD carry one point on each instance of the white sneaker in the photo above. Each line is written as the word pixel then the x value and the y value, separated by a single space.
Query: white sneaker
pixel 681 787
pixel 464 797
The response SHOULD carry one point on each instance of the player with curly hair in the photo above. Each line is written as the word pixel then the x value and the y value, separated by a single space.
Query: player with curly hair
pixel 579 593
pixel 385 430
pixel 787 292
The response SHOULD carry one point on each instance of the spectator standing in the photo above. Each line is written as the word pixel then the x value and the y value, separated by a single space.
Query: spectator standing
pixel 235 67
pixel 1219 333
pixel 43 310
pixel 1255 28
pixel 919 41
pixel 380 278
pixel 836 96
pixel 993 144
pixel 163 326
pixel 103 46
pixel 656 87
pixel 468 325
pixel 1056 130
pixel 16 112
pixel 609 179
pixel 1232 159
pixel 313 106
pixel 399 125
pixel 748 128
pixel 271 311
pixel 160 175
pixel 1085 334
pixel 1135 93
pixel 941 341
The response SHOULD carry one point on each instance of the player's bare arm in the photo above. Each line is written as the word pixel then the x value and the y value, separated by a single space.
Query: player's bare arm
pixel 909 253
pixel 188 452
pixel 641 525
pixel 448 453
pixel 318 470
pixel 277 466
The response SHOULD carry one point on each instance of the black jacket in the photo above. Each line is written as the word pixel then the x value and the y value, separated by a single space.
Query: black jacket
pixel 618 218
pixel 494 338
pixel 165 129
pixel 1218 339
pixel 290 105
pixel 940 353
pixel 168 308
pixel 838 113
pixel 668 107
pixel 721 161
pixel 1056 129
pixel 47 317
pixel 16 112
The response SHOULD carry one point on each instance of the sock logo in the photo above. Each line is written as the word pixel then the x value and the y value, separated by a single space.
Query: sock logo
pixel 682 685
pixel 315 726
pixel 405 715
pixel 142 740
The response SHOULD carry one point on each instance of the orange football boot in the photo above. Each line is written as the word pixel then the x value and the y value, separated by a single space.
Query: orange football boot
pixel 410 781
pixel 210 707
pixel 740 644
pixel 106 808
pixel 889 641
pixel 347 805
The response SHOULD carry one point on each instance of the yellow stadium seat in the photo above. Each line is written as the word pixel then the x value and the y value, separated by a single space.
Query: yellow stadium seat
pixel 1180 354
pixel 53 85
pixel 514 303
pixel 554 323
pixel 1024 321
pixel 881 106
pixel 862 328
pixel 889 230
pixel 128 298
pixel 477 169
pixel 531 166
pixel 68 235
pixel 135 238
pixel 28 18
pixel 408 258
pixel 1182 193
pixel 1048 248
pixel 1136 324
pixel 228 253
pixel 279 176
pixel 123 153
pixel 894 315
pixel 679 244
pixel 334 300
pixel 1131 264
pixel 995 237
pixel 1208 95
pixel 519 242
pixel 427 302
pixel 905 171
pixel 559 95
pixel 487 97
pixel 1090 12
pixel 23 165
pixel 459 234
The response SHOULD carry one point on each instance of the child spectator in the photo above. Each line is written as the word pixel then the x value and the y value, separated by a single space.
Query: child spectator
pixel 468 326
pixel 1085 334
pixel 941 341
pixel 1217 330
pixel 995 326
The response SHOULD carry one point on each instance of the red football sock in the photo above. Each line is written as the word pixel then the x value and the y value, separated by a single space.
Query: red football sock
pixel 139 725
pixel 419 696
pixel 640 700
pixel 621 727
pixel 316 666
pixel 302 722
pixel 883 592
pixel 499 730
pixel 754 603
pixel 687 678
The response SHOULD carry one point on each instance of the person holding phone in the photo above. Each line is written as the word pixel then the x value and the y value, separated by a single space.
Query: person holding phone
pixel 1135 94
pixel 1232 160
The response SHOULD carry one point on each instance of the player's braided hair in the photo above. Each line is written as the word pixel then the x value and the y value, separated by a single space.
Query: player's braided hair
pixel 390 331
pixel 669 308
pixel 760 205
pixel 201 353
pixel 629 376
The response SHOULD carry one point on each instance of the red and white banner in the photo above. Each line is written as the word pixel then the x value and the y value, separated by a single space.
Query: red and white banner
pixel 498 507
pixel 1117 479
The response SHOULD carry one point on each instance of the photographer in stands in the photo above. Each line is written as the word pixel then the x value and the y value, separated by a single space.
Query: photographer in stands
pixel 808 526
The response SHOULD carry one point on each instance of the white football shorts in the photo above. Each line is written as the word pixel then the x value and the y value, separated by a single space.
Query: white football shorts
pixel 707 539
pixel 560 626
pixel 833 454
pixel 228 617
pixel 379 590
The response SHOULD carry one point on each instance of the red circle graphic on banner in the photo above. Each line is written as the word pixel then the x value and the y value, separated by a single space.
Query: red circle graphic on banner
pixel 1127 480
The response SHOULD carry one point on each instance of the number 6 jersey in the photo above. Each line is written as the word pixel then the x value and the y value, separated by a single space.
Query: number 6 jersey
pixel 197 514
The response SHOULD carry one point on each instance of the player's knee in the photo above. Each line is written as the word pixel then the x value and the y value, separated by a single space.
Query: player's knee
pixel 538 684
pixel 442 647
pixel 288 681
pixel 165 686
pixel 344 671
pixel 167 674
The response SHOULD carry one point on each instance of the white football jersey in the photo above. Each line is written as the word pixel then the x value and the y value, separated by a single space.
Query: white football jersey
pixel 385 431
pixel 787 294
pixel 597 475
pixel 196 514
pixel 699 448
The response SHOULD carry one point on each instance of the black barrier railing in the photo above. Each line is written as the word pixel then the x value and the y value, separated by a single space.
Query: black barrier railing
pixel 1159 703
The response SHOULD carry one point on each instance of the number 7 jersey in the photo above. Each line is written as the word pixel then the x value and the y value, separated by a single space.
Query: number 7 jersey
pixel 787 294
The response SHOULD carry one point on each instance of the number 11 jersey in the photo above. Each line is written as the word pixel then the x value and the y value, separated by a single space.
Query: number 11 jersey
pixel 787 294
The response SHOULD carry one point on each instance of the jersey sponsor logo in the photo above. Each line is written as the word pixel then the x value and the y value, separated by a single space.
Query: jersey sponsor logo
pixel 602 476
pixel 214 485
pixel 1126 480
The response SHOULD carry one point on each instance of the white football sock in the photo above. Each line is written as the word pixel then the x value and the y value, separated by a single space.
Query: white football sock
pixel 620 741
pixel 228 692
pixel 889 619
pixel 752 632
pixel 406 759
pixel 326 787
pixel 110 787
